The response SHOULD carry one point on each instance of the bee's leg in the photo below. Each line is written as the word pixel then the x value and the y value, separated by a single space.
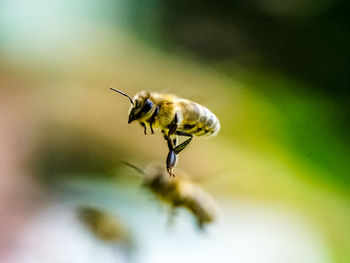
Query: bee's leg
pixel 181 133
pixel 171 217
pixel 180 147
pixel 169 142
pixel 173 125
pixel 154 115
pixel 175 141
pixel 200 225
pixel 171 158
pixel 171 162
pixel 144 127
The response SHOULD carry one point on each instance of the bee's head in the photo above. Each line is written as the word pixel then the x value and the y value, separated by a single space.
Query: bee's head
pixel 142 107
pixel 157 178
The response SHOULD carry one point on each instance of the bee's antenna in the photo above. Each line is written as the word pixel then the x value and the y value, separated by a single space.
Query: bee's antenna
pixel 123 94
pixel 135 167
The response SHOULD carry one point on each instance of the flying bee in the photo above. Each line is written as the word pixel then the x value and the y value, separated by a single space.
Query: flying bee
pixel 175 117
pixel 106 227
pixel 182 192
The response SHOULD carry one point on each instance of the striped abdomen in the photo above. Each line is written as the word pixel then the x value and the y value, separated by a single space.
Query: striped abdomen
pixel 197 119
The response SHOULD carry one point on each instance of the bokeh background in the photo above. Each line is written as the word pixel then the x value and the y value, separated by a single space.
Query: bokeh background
pixel 276 73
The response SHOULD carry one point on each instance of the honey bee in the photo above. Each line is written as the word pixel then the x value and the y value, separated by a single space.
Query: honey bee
pixel 175 117
pixel 179 193
pixel 104 225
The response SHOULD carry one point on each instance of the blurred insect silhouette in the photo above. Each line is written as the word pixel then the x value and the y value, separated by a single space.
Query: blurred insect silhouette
pixel 175 117
pixel 179 193
pixel 106 227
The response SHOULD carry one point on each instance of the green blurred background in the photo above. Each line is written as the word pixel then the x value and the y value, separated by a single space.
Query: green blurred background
pixel 274 72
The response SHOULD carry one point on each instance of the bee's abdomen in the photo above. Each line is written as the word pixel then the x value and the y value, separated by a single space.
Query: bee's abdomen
pixel 199 121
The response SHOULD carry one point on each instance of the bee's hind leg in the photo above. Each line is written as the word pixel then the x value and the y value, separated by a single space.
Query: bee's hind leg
pixel 171 162
pixel 180 147
pixel 171 139
pixel 171 158
pixel 175 140
pixel 173 125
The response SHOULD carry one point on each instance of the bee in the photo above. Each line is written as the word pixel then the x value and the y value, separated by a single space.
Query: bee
pixel 182 192
pixel 105 226
pixel 102 224
pixel 175 117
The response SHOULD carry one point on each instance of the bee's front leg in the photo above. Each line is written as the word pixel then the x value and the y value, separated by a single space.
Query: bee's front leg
pixel 144 127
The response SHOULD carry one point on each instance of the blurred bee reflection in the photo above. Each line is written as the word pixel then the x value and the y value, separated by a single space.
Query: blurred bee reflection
pixel 105 226
pixel 179 192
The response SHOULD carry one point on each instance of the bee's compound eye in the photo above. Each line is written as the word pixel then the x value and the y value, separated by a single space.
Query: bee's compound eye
pixel 147 106
pixel 136 102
